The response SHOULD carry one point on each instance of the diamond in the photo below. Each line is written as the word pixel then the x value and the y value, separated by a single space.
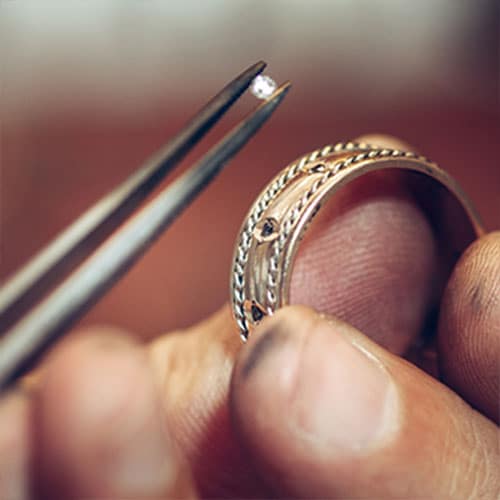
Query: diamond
pixel 263 87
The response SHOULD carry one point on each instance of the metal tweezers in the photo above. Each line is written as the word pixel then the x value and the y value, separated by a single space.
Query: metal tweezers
pixel 30 323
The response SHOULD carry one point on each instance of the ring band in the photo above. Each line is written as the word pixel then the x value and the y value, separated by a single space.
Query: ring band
pixel 270 235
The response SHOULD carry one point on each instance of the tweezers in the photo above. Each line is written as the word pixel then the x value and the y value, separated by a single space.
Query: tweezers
pixel 86 259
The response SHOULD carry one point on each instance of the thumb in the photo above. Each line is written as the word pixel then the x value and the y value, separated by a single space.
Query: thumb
pixel 326 412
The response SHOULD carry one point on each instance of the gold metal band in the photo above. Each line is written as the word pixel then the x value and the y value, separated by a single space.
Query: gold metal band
pixel 270 235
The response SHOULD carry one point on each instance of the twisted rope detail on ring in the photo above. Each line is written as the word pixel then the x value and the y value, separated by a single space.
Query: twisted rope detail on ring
pixel 275 187
pixel 262 203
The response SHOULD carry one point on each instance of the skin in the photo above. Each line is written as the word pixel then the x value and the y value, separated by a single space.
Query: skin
pixel 314 405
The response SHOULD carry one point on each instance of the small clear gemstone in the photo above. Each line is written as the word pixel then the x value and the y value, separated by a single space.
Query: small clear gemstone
pixel 263 87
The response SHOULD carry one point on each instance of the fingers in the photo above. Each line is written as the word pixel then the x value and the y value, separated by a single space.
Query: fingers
pixel 377 273
pixel 325 412
pixel 370 258
pixel 194 368
pixel 15 446
pixel 469 327
pixel 371 261
pixel 98 430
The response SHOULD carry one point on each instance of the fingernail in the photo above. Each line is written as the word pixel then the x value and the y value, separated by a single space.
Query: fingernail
pixel 338 396
pixel 270 337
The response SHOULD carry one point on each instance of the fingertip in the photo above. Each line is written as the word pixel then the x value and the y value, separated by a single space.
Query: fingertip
pixel 323 411
pixel 98 422
pixel 469 326
pixel 304 395
pixel 370 257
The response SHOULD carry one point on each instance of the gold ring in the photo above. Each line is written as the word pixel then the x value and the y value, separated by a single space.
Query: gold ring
pixel 273 228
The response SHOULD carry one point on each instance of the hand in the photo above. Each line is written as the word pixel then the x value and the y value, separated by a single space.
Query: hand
pixel 310 406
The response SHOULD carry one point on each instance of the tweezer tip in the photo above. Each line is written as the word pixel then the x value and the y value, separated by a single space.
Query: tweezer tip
pixel 260 64
pixel 283 88
pixel 255 69
pixel 237 86
pixel 279 93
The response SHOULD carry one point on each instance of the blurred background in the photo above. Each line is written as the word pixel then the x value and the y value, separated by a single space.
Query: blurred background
pixel 90 89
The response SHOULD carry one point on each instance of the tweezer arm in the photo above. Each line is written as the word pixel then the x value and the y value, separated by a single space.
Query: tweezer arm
pixel 69 249
pixel 29 338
